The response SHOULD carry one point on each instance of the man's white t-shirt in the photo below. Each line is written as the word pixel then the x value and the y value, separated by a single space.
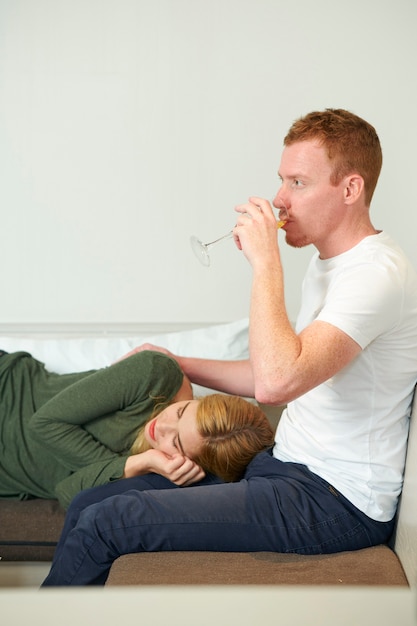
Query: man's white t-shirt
pixel 352 430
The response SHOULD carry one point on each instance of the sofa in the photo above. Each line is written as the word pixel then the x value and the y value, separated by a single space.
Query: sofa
pixel 29 530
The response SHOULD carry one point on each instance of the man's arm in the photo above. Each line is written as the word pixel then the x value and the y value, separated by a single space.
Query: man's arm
pixel 284 365
pixel 287 366
pixel 234 377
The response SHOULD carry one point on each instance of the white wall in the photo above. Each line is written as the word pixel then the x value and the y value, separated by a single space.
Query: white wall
pixel 127 125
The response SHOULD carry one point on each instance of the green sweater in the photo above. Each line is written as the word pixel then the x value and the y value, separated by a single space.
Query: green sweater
pixel 60 433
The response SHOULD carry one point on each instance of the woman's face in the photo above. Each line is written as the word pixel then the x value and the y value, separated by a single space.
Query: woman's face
pixel 174 430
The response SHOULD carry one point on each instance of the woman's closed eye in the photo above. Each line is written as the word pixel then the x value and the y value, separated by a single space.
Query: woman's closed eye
pixel 177 445
pixel 177 441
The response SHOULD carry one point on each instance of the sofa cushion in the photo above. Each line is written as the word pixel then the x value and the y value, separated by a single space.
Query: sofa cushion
pixel 29 529
pixel 371 566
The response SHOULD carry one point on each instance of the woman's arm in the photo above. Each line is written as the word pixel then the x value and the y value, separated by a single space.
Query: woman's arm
pixel 91 420
pixel 180 471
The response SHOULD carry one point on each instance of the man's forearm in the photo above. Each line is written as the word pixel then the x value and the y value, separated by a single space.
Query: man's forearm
pixel 234 377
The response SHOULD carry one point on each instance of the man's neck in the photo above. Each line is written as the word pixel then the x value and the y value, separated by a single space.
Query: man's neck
pixel 339 244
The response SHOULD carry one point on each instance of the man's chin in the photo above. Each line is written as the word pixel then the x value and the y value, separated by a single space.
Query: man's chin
pixel 301 242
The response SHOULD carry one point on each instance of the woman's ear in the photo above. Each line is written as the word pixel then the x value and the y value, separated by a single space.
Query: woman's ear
pixel 354 188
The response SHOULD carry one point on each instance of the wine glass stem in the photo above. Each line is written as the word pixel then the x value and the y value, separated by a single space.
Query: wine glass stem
pixel 226 236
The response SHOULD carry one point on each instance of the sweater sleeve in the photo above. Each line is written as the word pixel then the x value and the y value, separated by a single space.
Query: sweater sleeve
pixel 107 403
pixel 92 475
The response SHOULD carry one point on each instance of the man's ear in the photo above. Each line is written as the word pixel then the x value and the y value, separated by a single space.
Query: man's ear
pixel 354 188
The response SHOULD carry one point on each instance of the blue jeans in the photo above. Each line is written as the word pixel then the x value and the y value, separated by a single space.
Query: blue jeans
pixel 279 507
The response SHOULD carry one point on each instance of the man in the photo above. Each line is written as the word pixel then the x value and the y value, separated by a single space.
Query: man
pixel 347 372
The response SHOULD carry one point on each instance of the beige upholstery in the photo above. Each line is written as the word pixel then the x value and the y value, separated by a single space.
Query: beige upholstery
pixel 371 566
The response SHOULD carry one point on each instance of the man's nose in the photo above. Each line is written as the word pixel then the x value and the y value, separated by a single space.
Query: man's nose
pixel 280 199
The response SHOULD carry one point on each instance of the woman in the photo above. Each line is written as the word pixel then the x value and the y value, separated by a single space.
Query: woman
pixel 60 434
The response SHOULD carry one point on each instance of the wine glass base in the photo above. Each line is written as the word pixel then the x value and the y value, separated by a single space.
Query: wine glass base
pixel 200 250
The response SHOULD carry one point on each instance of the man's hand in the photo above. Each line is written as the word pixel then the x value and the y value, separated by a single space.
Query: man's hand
pixel 147 346
pixel 255 232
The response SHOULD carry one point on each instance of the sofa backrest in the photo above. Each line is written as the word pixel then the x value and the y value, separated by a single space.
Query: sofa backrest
pixel 405 544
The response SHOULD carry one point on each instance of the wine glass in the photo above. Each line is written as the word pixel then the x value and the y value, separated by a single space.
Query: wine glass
pixel 202 250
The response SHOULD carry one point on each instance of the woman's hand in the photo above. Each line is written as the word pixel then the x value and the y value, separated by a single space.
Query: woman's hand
pixel 179 469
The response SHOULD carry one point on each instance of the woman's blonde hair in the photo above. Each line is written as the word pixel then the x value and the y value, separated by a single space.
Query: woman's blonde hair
pixel 233 431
